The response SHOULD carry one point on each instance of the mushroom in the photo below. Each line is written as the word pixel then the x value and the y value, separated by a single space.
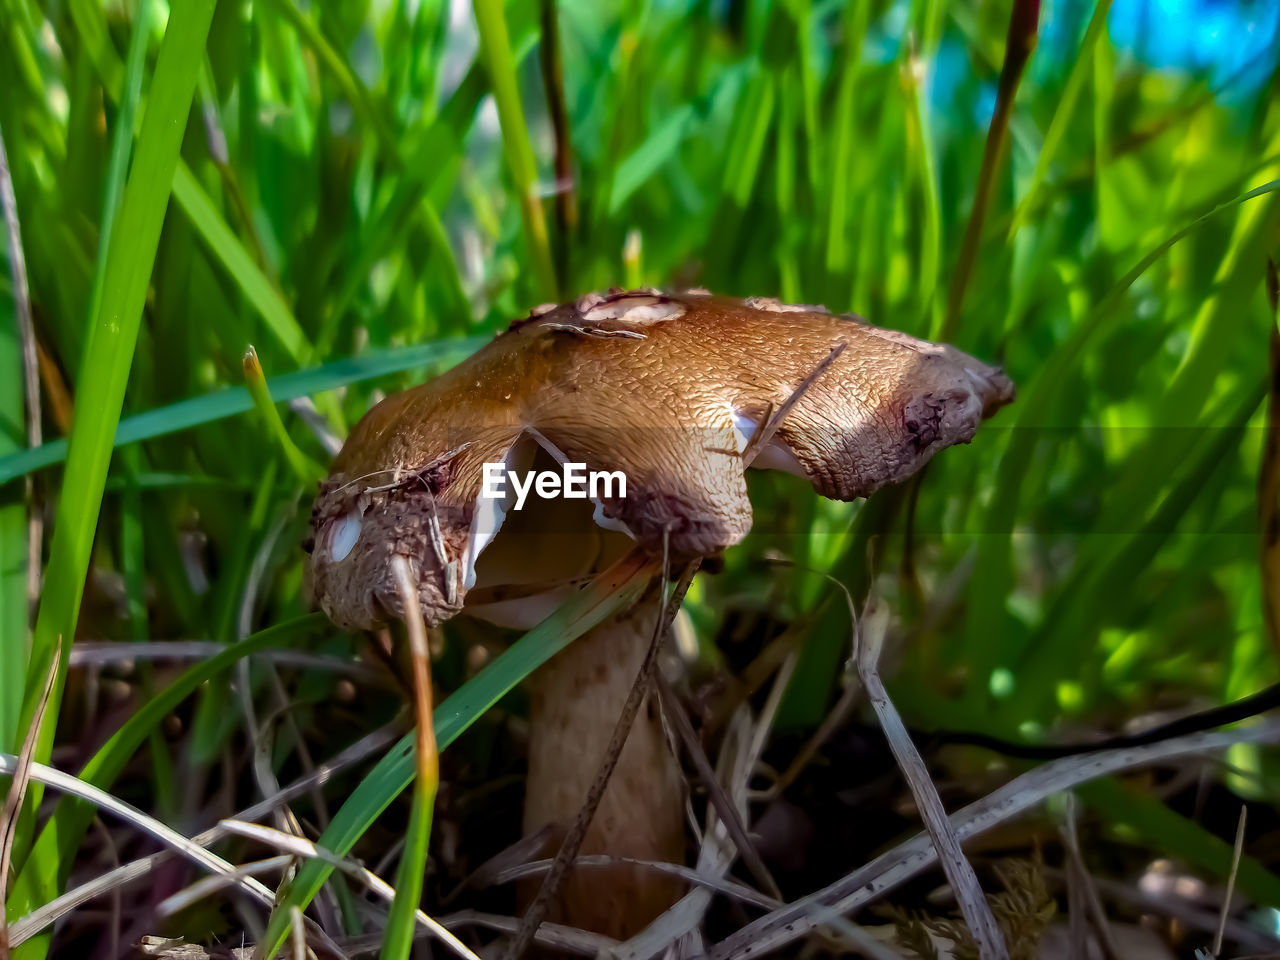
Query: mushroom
pixel 668 391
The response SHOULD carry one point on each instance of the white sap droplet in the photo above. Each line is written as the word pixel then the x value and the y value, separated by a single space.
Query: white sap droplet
pixel 343 535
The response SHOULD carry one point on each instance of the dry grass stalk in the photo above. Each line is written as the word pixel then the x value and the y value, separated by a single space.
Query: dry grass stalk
pixel 973 904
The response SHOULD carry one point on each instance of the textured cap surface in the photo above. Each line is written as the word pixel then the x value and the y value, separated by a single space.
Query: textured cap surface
pixel 666 389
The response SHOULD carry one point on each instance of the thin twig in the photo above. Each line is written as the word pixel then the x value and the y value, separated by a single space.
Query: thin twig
pixel 553 935
pixel 89 653
pixel 560 939
pixel 533 917
pixel 739 757
pixel 675 712
pixel 117 908
pixel 1088 891
pixel 190 895
pixel 913 857
pixel 18 791
pixel 729 888
pixel 964 882
pixel 30 365
pixel 1236 853
pixel 833 721
pixel 1185 912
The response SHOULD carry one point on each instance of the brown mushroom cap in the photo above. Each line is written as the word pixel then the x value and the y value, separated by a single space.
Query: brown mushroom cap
pixel 666 389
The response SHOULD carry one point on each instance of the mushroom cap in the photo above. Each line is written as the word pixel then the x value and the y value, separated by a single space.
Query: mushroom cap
pixel 667 389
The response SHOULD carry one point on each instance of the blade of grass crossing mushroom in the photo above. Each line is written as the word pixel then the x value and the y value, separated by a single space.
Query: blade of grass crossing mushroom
pixel 113 336
pixel 572 843
pixel 609 592
pixel 398 939
pixel 869 638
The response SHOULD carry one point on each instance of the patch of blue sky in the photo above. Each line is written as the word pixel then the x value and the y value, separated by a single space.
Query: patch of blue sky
pixel 1228 41
pixel 1231 43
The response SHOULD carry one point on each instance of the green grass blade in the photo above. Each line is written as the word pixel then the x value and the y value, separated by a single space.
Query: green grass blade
pixel 109 355
pixel 496 49
pixel 307 471
pixel 210 408
pixel 240 265
pixel 842 143
pixel 1080 73
pixel 121 142
pixel 351 86
pixel 14 617
pixel 648 158
pixel 1173 834
pixel 91 30
pixel 402 923
pixel 990 586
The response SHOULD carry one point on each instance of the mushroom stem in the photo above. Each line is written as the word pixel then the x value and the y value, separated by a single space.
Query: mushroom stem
pixel 577 699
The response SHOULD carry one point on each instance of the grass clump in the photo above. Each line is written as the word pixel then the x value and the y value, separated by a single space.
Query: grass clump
pixel 366 192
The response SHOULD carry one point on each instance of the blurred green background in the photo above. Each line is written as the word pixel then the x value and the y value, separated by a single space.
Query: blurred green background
pixel 367 191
